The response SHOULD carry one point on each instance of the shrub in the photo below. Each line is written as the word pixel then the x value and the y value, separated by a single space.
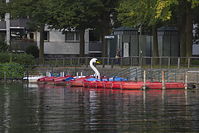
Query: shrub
pixel 23 59
pixel 11 70
pixel 4 57
pixel 3 46
pixel 33 50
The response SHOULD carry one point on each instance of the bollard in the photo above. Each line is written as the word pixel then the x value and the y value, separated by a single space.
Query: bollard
pixel 163 81
pixel 4 75
pixel 144 86
pixel 186 81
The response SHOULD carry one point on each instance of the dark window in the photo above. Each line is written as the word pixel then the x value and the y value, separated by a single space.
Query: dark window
pixel 94 36
pixel 31 35
pixel 72 36
pixel 46 36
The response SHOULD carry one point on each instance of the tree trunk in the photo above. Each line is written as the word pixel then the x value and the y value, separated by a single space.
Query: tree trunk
pixel 104 45
pixel 41 45
pixel 82 44
pixel 181 20
pixel 155 44
pixel 189 30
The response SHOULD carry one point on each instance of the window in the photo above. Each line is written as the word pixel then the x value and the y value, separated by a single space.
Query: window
pixel 69 36
pixel 94 35
pixel 72 36
pixel 46 36
pixel 32 36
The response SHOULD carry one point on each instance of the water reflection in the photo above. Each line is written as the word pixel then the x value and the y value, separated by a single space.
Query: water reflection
pixel 53 109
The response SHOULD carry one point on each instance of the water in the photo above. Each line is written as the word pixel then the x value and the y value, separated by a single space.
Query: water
pixel 50 109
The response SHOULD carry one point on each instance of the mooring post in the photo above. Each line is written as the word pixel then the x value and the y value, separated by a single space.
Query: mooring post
pixel 144 86
pixel 186 78
pixel 163 81
pixel 4 75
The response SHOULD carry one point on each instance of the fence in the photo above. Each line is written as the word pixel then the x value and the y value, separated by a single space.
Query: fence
pixel 148 62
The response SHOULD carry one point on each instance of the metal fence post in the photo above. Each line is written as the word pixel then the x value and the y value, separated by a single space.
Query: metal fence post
pixel 63 62
pixel 186 78
pixel 112 61
pixel 71 61
pixel 121 62
pixel 4 76
pixel 188 65
pixel 144 78
pixel 163 80
pixel 178 62
pixel 103 62
pixel 169 62
pixel 78 61
pixel 86 61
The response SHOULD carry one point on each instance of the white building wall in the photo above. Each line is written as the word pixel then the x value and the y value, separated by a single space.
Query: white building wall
pixel 58 45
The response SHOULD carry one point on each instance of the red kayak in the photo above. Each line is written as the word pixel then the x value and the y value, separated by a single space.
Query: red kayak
pixel 59 79
pixel 45 79
pixel 113 84
pixel 131 85
pixel 168 85
pixel 77 82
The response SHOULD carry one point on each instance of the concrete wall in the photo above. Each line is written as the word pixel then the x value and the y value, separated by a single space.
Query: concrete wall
pixel 58 45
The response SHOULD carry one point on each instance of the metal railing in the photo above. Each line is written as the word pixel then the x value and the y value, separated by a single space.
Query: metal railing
pixel 147 62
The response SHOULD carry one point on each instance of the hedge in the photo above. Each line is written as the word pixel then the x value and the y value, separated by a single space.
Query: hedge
pixel 11 70
pixel 22 58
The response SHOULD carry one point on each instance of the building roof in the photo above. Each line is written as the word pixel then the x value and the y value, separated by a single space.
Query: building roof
pixel 15 24
pixel 123 28
pixel 164 28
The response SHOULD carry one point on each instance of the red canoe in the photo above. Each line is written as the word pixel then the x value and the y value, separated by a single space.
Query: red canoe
pixel 77 82
pixel 113 84
pixel 131 85
pixel 45 79
pixel 58 79
pixel 168 85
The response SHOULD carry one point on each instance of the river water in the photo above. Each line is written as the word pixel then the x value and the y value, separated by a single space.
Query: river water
pixel 50 109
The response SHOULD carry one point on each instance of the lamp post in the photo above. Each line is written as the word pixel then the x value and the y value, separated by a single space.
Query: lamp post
pixel 7 19
pixel 140 45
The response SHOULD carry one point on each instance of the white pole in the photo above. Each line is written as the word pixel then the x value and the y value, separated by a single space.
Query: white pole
pixel 144 86
pixel 7 19
pixel 186 78
pixel 163 80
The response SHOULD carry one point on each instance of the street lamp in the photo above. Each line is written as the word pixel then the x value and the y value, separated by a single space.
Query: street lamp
pixel 139 45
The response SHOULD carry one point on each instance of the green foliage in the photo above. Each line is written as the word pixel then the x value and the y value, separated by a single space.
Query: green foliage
pixel 74 13
pixel 36 10
pixel 4 57
pixel 3 46
pixel 33 50
pixel 11 70
pixel 148 12
pixel 23 59
pixel 2 9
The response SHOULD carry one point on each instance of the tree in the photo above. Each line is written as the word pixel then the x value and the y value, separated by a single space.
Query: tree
pixel 74 14
pixel 2 8
pixel 150 13
pixel 106 20
pixel 37 12
pixel 153 12
pixel 185 11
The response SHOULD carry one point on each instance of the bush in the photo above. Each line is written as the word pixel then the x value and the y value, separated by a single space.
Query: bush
pixel 3 46
pixel 23 59
pixel 4 57
pixel 33 50
pixel 11 70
